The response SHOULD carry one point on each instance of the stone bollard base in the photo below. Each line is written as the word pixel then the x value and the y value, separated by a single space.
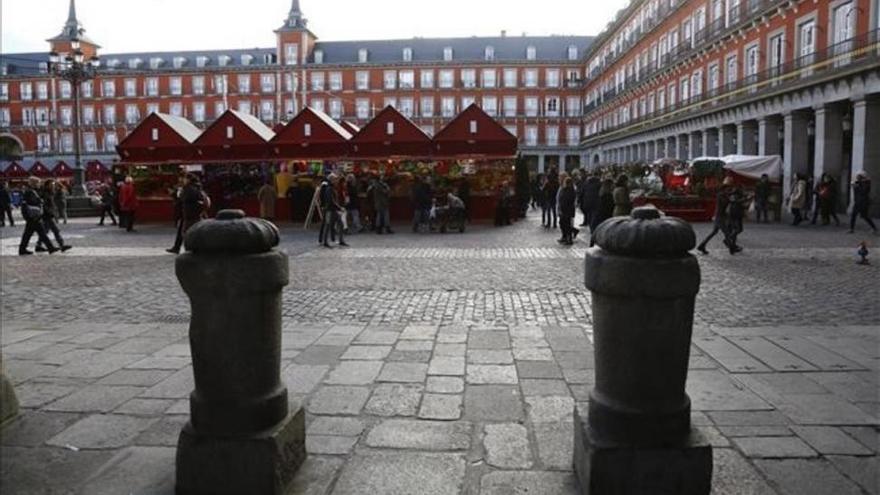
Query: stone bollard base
pixel 606 468
pixel 264 463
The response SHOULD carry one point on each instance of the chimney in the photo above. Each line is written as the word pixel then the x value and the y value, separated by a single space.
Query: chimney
pixel 504 33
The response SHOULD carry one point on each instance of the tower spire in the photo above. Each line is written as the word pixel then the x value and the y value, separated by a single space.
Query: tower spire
pixel 72 30
pixel 295 19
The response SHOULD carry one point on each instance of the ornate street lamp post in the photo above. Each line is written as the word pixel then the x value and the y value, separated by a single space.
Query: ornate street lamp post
pixel 74 69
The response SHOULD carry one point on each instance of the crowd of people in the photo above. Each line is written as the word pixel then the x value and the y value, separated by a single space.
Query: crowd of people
pixel 43 204
pixel 560 195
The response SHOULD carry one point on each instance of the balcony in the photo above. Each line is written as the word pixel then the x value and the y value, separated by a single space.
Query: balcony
pixel 860 51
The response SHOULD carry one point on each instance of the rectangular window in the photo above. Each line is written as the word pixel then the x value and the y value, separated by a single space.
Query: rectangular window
pixel 291 54
pixel 427 104
pixel 390 79
pixel 66 116
pixel 44 142
pixel 751 63
pixel 510 78
pixel 573 106
pixel 531 104
pixel 552 106
pixel 531 135
pixel 806 50
pixel 406 107
pixel 777 54
pixel 67 142
pixel 132 114
pixel 731 71
pixel 447 78
pixel 714 78
pixel 336 81
pixel 176 109
pixel 42 90
pixel 697 83
pixel 198 85
pixel 510 106
pixel 336 109
pixel 90 143
pixel 407 79
pixel 152 86
pixel 109 114
pixel 317 79
pixel 267 83
pixel 267 110
pixel 427 79
pixel 65 90
pixel 362 80
pixel 27 116
pixel 390 101
pixel 363 55
pixel 661 99
pixel 176 85
pixel 88 115
pixel 363 108
pixel 531 78
pixel 4 91
pixel 110 141
pixel 573 135
pixel 42 116
pixel 244 83
pixel 468 78
pixel 467 101
pixel 317 104
pixel 244 106
pixel 490 105
pixel 27 91
pixel 198 110
pixel 447 106
pixel 552 78
pixel 489 78
pixel 219 108
pixel 108 88
pixel 131 87
pixel 152 108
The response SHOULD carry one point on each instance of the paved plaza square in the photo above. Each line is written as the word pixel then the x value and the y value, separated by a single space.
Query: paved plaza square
pixel 441 363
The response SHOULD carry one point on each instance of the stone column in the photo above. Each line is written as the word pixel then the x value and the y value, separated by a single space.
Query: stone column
pixel 242 437
pixel 866 146
pixel 682 153
pixel 696 147
pixel 710 142
pixel 747 138
pixel 636 437
pixel 651 150
pixel 768 136
pixel 8 400
pixel 797 148
pixel 541 163
pixel 727 140
pixel 829 146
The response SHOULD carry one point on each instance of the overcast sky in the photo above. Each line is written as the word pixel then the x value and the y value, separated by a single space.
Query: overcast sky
pixel 161 25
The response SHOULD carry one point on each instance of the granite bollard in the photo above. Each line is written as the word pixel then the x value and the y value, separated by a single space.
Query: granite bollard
pixel 636 436
pixel 242 438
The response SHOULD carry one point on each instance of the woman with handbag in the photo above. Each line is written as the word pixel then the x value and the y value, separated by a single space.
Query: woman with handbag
pixel 32 211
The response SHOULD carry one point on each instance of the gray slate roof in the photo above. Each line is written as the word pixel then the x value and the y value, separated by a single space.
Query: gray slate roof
pixel 507 49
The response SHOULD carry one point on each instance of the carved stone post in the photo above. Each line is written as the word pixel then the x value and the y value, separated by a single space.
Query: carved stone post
pixel 241 437
pixel 636 437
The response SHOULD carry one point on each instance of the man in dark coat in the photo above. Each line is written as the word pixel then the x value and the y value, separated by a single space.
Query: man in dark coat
pixel 50 214
pixel 589 198
pixel 721 215
pixel 5 205
pixel 567 200
pixel 32 211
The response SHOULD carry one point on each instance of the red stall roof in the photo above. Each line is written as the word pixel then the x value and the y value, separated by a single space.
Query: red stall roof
pixel 39 170
pixel 390 134
pixel 95 170
pixel 474 133
pixel 312 134
pixel 233 136
pixel 15 171
pixel 159 138
pixel 61 169
pixel 351 128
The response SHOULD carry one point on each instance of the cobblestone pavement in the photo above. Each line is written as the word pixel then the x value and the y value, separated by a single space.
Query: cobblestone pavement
pixel 440 363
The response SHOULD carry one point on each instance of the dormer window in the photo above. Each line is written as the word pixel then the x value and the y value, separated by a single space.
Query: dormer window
pixel 407 54
pixel 44 67
pixel 269 58
pixel 319 56
pixel 224 60
pixel 113 63
pixel 531 53
pixel 490 53
pixel 447 54
pixel 135 63
pixel 202 61
pixel 246 59
pixel 179 62
pixel 572 52
pixel 363 55
pixel 156 62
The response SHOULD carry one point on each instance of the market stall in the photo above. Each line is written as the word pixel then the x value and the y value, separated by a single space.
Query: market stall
pixel 62 170
pixel 39 170
pixel 14 173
